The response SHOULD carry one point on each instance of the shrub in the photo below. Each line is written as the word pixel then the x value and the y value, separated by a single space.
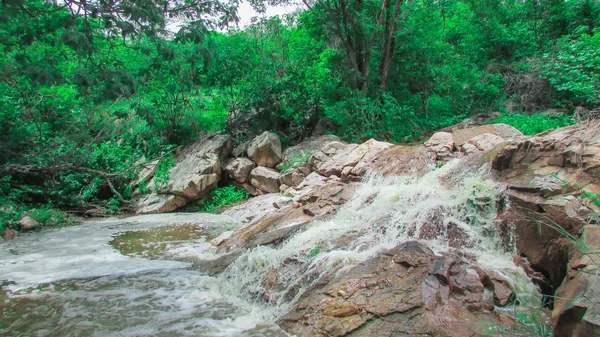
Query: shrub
pixel 534 124
pixel 223 196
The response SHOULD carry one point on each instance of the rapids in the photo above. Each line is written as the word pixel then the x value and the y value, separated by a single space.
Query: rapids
pixel 132 277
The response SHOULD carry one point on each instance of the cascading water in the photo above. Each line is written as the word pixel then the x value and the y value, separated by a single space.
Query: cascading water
pixel 71 282
pixel 382 213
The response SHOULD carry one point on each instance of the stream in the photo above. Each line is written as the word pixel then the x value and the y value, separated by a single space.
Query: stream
pixel 134 276
pixel 119 277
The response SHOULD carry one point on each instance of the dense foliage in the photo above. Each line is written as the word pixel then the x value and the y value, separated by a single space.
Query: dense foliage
pixel 90 90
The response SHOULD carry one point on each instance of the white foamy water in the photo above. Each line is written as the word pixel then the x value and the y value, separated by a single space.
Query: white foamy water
pixel 382 213
pixel 72 282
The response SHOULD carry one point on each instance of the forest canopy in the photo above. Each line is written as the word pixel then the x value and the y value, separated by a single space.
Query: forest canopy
pixel 90 90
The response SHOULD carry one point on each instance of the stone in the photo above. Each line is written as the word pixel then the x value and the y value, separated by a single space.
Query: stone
pixel 257 207
pixel 441 143
pixel 577 300
pixel 265 179
pixel 241 150
pixel 356 157
pixel 197 171
pixel 159 203
pixel 482 143
pixel 265 150
pixel 325 152
pixel 27 223
pixel 414 300
pixel 239 168
pixel 9 234
pixel 461 136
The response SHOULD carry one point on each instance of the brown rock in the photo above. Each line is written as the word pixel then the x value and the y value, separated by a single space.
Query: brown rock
pixel 9 234
pixel 27 223
pixel 265 179
pixel 239 168
pixel 265 150
pixel 482 143
pixel 441 143
pixel 502 130
pixel 577 301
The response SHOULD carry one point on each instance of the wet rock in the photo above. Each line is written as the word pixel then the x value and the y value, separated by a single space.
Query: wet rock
pixel 27 223
pixel 265 179
pixel 577 301
pixel 461 136
pixel 239 168
pixel 482 143
pixel 214 267
pixel 441 143
pixel 397 293
pixel 265 150
pixel 503 289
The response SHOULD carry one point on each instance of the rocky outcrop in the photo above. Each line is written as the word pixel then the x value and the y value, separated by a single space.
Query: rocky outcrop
pixel 197 171
pixel 265 150
pixel 482 143
pixel 239 168
pixel 547 178
pixel 577 304
pixel 406 291
pixel 265 179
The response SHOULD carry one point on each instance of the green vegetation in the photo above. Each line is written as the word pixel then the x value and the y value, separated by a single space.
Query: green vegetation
pixel 536 123
pixel 88 91
pixel 314 252
pixel 297 159
pixel 221 197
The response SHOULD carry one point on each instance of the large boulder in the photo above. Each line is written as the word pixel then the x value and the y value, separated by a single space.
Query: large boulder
pixel 27 223
pixel 406 291
pixel 239 168
pixel 505 131
pixel 196 172
pixel 265 150
pixel 265 179
pixel 353 157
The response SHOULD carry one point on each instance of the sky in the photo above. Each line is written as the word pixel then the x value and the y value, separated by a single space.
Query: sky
pixel 245 12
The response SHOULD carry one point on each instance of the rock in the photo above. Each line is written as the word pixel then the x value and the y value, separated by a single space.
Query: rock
pixel 577 301
pixel 461 136
pixel 325 152
pixel 305 149
pixel 239 168
pixel 197 171
pixel 503 289
pixel 9 234
pixel 241 150
pixel 147 173
pixel 265 179
pixel 247 187
pixel 402 161
pixel 27 223
pixel 265 150
pixel 159 203
pixel 416 291
pixel 482 143
pixel 542 173
pixel 323 125
pixel 441 143
pixel 355 157
pixel 257 207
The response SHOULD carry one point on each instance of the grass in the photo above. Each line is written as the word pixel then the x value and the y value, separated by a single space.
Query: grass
pixel 45 215
pixel 534 124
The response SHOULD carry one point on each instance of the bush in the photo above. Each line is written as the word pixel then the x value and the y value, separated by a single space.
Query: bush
pixel 534 124
pixel 223 196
